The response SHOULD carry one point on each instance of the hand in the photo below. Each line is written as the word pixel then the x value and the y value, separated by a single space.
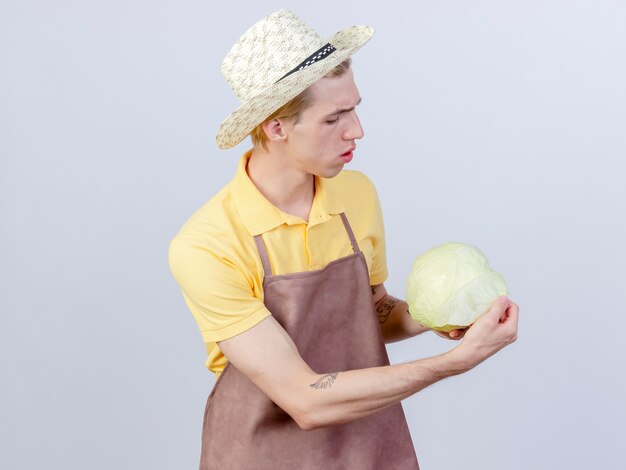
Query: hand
pixel 454 334
pixel 489 333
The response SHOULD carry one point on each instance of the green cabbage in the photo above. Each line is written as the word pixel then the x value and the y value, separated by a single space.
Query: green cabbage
pixel 451 285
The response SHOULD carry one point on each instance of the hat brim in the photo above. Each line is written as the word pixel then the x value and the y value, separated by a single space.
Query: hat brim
pixel 251 113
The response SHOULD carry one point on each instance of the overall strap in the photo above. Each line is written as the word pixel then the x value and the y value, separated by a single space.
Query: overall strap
pixel 265 259
pixel 346 224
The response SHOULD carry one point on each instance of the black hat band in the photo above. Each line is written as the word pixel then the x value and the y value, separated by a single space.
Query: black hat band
pixel 318 55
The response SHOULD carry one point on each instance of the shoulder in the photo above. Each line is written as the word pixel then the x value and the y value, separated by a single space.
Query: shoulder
pixel 211 216
pixel 362 208
pixel 214 230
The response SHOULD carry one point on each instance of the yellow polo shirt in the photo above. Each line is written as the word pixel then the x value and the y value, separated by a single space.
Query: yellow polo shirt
pixel 215 261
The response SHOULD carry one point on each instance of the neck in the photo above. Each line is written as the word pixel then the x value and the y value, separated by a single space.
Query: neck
pixel 286 187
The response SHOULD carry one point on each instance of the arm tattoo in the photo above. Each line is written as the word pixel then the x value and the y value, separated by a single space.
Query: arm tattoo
pixel 325 381
pixel 384 308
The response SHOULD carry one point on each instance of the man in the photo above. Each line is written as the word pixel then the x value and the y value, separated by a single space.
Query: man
pixel 284 268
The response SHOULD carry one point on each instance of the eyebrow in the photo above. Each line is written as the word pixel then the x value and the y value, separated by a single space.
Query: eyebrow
pixel 345 110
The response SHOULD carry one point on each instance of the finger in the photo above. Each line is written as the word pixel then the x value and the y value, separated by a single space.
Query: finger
pixel 498 308
pixel 458 333
pixel 504 316
pixel 513 314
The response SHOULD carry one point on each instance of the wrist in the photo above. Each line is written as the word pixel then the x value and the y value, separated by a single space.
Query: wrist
pixel 459 359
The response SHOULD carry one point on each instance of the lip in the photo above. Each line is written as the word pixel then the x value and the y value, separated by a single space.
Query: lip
pixel 347 155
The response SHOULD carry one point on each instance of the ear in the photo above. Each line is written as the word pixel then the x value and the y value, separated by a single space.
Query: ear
pixel 275 130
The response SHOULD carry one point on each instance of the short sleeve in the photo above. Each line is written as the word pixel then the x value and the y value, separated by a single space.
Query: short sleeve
pixel 218 291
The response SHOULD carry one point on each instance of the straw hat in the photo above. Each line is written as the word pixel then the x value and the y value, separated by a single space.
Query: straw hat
pixel 273 62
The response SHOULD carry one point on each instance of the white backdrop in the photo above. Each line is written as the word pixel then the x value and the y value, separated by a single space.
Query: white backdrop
pixel 501 124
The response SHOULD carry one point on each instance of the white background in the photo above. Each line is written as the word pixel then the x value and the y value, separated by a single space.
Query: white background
pixel 496 123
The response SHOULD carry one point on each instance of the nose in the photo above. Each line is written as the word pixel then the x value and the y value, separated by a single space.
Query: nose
pixel 354 130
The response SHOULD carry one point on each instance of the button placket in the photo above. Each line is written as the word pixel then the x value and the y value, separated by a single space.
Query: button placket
pixel 311 254
pixel 306 247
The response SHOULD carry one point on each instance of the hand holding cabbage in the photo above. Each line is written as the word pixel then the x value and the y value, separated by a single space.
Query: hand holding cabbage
pixel 450 286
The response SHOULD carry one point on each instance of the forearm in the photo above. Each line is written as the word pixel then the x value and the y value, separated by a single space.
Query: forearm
pixel 343 397
pixel 362 392
pixel 395 321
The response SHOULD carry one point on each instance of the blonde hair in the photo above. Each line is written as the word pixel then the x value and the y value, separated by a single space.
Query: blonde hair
pixel 292 110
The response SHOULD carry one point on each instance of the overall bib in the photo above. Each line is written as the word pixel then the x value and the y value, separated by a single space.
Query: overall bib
pixel 330 315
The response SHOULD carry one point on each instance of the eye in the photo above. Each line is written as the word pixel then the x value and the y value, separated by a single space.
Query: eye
pixel 331 121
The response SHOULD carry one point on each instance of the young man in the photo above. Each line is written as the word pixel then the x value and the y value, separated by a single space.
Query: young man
pixel 284 268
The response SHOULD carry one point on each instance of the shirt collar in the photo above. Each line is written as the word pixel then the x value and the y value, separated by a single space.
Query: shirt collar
pixel 260 216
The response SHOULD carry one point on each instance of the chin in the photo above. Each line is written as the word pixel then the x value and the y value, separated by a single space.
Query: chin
pixel 330 172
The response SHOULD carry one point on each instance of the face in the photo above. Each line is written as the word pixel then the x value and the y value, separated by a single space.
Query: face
pixel 322 141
